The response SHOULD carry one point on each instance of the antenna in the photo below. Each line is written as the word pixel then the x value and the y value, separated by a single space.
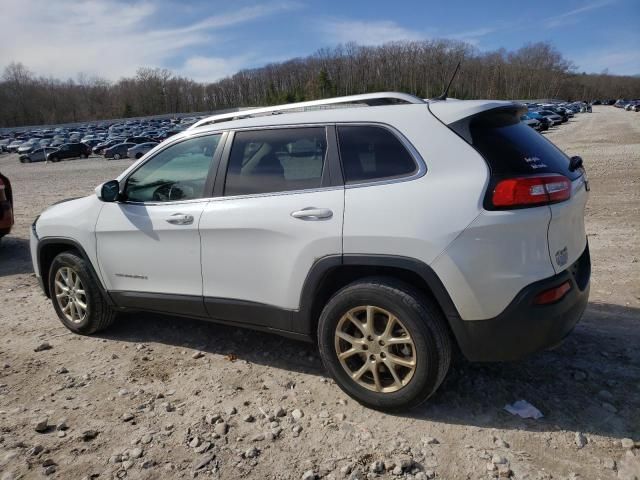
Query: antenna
pixel 446 90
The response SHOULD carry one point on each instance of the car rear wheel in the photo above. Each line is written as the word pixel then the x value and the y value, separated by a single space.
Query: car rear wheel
pixel 116 156
pixel 76 296
pixel 384 343
pixel 138 155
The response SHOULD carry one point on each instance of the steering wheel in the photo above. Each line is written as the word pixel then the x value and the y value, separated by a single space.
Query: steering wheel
pixel 163 192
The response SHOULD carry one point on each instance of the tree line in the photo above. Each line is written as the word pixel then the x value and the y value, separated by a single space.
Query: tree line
pixel 423 68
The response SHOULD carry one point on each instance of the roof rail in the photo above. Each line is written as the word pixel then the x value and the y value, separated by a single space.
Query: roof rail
pixel 369 99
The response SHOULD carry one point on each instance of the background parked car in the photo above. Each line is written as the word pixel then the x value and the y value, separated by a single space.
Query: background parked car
pixel 101 147
pixel 545 123
pixel 13 146
pixel 139 140
pixel 37 154
pixel 69 150
pixel 554 117
pixel 6 206
pixel 532 122
pixel 118 151
pixel 140 149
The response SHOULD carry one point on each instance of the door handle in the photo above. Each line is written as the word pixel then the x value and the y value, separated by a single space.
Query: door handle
pixel 312 213
pixel 180 219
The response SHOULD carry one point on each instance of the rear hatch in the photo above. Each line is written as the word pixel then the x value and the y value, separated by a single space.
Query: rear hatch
pixel 528 171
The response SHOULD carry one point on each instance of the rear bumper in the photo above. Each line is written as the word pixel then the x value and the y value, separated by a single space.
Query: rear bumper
pixel 523 327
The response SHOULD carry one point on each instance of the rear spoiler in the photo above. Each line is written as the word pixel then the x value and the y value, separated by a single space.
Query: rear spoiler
pixel 506 113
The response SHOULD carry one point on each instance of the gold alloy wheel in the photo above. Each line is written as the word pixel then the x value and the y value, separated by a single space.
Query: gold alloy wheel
pixel 70 295
pixel 375 349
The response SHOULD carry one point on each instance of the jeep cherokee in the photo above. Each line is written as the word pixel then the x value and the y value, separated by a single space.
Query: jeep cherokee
pixel 385 228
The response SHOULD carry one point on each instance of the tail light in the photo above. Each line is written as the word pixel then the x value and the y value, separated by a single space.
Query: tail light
pixel 553 294
pixel 531 191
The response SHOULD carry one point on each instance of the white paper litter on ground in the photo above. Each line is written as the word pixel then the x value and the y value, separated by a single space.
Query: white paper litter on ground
pixel 523 409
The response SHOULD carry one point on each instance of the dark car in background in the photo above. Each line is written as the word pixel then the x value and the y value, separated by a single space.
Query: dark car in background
pixel 118 151
pixel 69 150
pixel 6 206
pixel 139 140
pixel 101 147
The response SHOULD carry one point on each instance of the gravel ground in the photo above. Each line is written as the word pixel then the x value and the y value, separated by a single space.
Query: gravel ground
pixel 164 397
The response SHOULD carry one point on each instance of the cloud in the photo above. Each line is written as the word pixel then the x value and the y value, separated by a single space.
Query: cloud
pixel 208 69
pixel 572 15
pixel 366 33
pixel 471 36
pixel 112 38
pixel 617 61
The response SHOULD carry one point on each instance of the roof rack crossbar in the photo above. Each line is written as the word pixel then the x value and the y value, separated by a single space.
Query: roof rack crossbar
pixel 369 99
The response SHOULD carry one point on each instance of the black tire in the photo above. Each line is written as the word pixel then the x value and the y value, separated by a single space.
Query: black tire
pixel 116 156
pixel 138 155
pixel 422 319
pixel 99 315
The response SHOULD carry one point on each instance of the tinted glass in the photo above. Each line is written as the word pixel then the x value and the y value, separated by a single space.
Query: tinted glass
pixel 372 153
pixel 276 160
pixel 513 148
pixel 178 172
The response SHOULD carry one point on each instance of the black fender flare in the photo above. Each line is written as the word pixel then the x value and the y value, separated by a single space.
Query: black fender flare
pixel 43 242
pixel 305 323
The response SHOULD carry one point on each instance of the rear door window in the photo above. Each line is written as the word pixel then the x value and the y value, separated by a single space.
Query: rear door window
pixel 276 160
pixel 371 153
pixel 513 148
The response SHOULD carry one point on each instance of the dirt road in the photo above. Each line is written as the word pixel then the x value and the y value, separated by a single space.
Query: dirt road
pixel 162 397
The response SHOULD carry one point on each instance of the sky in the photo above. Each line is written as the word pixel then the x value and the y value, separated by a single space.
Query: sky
pixel 209 39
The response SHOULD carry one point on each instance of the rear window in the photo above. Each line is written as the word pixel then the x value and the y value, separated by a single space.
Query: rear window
pixel 513 148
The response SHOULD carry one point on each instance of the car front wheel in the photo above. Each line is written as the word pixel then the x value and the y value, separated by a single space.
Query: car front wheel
pixel 384 343
pixel 76 295
pixel 116 156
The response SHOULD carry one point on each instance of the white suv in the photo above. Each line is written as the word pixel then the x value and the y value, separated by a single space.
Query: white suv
pixel 386 228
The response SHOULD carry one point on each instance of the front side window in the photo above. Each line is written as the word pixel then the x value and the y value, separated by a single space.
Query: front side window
pixel 371 153
pixel 178 172
pixel 277 160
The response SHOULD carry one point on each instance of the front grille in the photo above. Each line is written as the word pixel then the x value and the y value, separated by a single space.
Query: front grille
pixel 581 269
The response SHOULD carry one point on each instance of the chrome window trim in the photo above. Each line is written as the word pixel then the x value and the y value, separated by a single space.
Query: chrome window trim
pixel 415 155
pixel 278 194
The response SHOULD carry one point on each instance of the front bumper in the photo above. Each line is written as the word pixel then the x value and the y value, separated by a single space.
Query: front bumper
pixel 524 327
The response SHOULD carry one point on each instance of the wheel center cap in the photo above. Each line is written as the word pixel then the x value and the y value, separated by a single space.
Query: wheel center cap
pixel 374 348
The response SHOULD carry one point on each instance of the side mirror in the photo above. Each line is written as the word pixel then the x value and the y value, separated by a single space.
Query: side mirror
pixel 109 191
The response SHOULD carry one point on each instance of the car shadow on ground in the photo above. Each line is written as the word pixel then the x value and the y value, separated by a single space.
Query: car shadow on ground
pixel 588 384
pixel 15 256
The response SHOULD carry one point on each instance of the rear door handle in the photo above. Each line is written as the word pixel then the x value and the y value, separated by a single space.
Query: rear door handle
pixel 312 213
pixel 180 219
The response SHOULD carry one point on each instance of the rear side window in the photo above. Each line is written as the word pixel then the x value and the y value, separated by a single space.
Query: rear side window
pixel 277 160
pixel 513 148
pixel 370 153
